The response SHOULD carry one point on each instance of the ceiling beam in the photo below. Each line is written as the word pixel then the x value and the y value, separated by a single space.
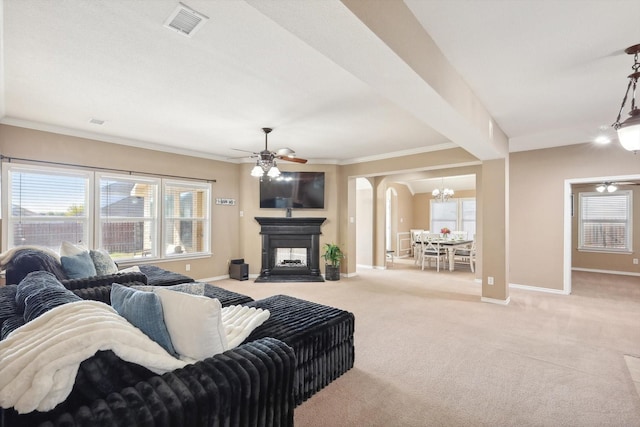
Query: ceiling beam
pixel 383 45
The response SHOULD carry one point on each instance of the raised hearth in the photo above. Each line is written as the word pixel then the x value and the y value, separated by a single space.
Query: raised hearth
pixel 294 236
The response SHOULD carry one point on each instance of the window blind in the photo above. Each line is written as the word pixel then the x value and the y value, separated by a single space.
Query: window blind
pixel 47 206
pixel 605 221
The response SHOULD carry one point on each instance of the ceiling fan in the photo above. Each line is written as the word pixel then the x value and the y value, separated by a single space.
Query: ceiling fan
pixel 266 163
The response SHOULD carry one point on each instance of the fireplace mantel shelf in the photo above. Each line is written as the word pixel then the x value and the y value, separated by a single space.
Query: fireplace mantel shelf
pixel 288 232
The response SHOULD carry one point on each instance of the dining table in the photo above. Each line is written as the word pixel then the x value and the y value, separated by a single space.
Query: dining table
pixel 451 245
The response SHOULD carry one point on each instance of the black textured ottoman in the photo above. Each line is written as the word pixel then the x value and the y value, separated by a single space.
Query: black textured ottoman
pixel 157 276
pixel 225 296
pixel 321 337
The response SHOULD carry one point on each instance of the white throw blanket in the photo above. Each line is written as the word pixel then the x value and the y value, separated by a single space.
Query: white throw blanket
pixel 39 361
pixel 239 321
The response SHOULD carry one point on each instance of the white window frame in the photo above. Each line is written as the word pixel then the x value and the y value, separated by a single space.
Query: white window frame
pixel 629 223
pixel 9 219
pixel 205 217
pixel 459 220
pixel 92 215
pixel 151 213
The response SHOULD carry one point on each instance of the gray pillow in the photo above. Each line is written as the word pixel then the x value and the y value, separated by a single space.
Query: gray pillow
pixel 144 311
pixel 102 262
pixel 78 266
pixel 194 288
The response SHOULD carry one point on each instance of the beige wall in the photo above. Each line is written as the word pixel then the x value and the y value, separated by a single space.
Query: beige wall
pixel 234 231
pixel 37 145
pixel 537 205
pixel 364 226
pixel 403 214
pixel 250 207
pixel 493 232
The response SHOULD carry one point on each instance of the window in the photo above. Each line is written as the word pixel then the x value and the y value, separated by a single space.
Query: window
pixel 605 222
pixel 455 214
pixel 129 216
pixel 186 216
pixel 47 206
pixel 444 214
pixel 468 217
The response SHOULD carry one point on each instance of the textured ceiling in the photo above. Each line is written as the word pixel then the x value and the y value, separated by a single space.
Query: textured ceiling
pixel 548 73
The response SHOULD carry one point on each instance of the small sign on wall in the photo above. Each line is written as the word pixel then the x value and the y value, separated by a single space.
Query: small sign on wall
pixel 228 202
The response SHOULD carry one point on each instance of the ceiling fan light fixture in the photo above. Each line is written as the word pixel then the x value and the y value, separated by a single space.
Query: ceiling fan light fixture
pixel 629 130
pixel 266 164
pixel 257 170
pixel 606 186
pixel 274 172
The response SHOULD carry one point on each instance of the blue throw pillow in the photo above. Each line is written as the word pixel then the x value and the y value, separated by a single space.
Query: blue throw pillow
pixel 144 311
pixel 78 266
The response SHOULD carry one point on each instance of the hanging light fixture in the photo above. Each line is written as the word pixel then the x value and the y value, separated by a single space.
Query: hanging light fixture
pixel 442 194
pixel 266 163
pixel 608 186
pixel 629 130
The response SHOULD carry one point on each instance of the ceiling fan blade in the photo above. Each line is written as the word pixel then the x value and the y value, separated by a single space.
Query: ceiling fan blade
pixel 241 157
pixel 292 159
pixel 244 151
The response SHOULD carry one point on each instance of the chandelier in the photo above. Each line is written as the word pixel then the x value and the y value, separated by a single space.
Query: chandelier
pixel 266 163
pixel 442 194
pixel 629 130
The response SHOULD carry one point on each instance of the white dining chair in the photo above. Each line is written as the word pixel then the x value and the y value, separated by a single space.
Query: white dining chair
pixel 431 249
pixel 466 255
pixel 415 242
pixel 459 235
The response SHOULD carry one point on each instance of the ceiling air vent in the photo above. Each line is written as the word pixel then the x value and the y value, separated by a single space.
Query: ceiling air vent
pixel 185 20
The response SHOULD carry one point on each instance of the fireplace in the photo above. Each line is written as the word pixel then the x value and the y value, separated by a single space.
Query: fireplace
pixel 290 249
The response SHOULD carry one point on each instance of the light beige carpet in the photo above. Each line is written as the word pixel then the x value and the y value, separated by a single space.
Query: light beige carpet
pixel 429 353
pixel 633 364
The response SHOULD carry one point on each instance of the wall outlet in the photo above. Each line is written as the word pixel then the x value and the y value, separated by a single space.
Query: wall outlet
pixel 188 267
pixel 635 261
pixel 490 280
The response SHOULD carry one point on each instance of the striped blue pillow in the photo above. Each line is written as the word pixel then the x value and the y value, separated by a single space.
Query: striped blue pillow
pixel 144 311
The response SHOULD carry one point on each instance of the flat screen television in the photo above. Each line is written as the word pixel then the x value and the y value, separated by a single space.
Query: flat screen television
pixel 298 190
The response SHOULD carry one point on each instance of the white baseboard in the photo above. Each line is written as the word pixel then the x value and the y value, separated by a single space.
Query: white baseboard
pixel 496 301
pixel 365 266
pixel 212 279
pixel 538 289
pixel 591 270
